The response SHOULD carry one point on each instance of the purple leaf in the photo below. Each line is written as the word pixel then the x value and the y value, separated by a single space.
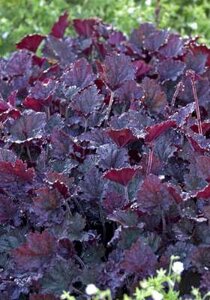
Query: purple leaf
pixel 155 40
pixel 128 92
pixel 204 193
pixel 7 155
pixel 42 297
pixel 138 35
pixel 61 144
pixel 139 260
pixel 154 97
pixel 153 194
pixel 58 51
pixel 20 63
pixel 92 186
pixel 112 157
pixel 170 70
pixel 117 69
pixel 79 74
pixel 38 250
pixel 7 209
pixel 173 48
pixel 201 257
pixel 46 202
pixel 141 68
pixel 88 101
pixel 28 127
pixel 182 114
pixel 113 201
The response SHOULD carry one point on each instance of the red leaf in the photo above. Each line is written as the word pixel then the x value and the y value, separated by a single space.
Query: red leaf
pixel 60 182
pixel 32 103
pixel 156 130
pixel 85 27
pixel 30 42
pixel 141 68
pixel 3 106
pixel 46 200
pixel 204 193
pixel 122 137
pixel 12 173
pixel 205 127
pixel 60 26
pixel 122 176
pixel 37 251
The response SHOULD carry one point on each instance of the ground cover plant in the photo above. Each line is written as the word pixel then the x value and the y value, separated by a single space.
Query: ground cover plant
pixel 158 287
pixel 104 160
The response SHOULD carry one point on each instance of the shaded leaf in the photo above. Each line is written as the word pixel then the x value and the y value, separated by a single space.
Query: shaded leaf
pixel 59 278
pixel 7 209
pixel 154 97
pixel 153 193
pixel 37 251
pixel 139 259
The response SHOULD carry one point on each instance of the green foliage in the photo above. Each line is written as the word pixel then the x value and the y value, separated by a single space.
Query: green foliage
pixel 21 17
pixel 159 287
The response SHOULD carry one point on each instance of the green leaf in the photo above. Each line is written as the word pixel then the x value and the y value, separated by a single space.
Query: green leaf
pixel 59 278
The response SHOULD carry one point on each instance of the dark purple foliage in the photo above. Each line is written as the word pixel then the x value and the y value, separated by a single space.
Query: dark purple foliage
pixel 104 159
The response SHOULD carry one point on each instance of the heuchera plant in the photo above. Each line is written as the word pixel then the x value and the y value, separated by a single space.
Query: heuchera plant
pixel 104 160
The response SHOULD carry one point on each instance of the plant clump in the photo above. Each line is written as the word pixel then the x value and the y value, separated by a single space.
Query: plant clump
pixel 104 160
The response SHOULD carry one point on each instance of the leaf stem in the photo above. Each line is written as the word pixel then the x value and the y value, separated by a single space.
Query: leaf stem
pixel 179 87
pixel 78 259
pixel 150 159
pixel 163 221
pixel 28 152
pixel 109 108
pixel 191 74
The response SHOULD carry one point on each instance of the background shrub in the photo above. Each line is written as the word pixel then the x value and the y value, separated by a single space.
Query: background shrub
pixel 21 17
